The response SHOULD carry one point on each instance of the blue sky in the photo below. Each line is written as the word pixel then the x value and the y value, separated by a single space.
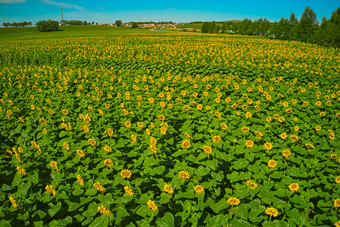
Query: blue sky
pixel 104 11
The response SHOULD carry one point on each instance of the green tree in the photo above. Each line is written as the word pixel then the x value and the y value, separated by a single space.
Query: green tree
pixel 46 26
pixel 212 27
pixel 321 33
pixel 134 25
pixel 217 29
pixel 333 29
pixel 223 28
pixel 293 20
pixel 204 28
pixel 307 26
pixel 284 28
pixel 118 23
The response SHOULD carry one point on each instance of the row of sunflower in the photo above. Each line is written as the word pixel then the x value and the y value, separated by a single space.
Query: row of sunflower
pixel 144 145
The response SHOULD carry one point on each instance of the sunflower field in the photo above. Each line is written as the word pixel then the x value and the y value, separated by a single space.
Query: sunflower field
pixel 169 129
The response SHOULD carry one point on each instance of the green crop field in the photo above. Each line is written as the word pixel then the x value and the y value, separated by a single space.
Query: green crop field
pixel 105 126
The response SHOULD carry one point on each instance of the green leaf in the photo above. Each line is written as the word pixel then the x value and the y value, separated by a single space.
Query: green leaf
pixel 164 199
pixel 202 171
pixel 40 213
pixel 23 188
pixel 170 141
pixel 212 164
pixel 77 191
pixel 121 212
pixel 143 211
pixel 188 195
pixel 33 178
pixel 54 209
pixel 240 164
pixel 218 220
pixel 293 171
pixel 91 191
pixel 221 205
pixel 36 224
pixel 240 223
pixel 72 205
pixel 92 209
pixel 242 212
pixel 218 176
pixel 100 221
pixel 167 221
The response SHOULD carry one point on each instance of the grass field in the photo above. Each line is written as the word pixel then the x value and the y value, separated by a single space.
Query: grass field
pixel 105 126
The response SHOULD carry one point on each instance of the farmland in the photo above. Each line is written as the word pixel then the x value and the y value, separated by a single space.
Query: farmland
pixel 127 127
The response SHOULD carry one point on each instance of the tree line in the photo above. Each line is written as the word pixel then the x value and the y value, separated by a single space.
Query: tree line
pixel 17 24
pixel 46 26
pixel 76 22
pixel 307 29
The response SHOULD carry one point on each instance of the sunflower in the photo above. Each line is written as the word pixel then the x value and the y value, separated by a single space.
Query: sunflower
pixel 283 135
pixel 245 129
pixel 128 191
pixel 286 153
pixel 127 124
pixel 65 112
pixel 248 115
pixel 163 130
pixel 186 144
pixel 92 141
pixel 317 128
pixel 233 201
pixel 167 188
pixel 199 106
pixel 224 126
pixel 294 138
pixel 272 211
pixel 109 132
pixel 87 119
pixel 258 134
pixel 80 180
pixel 207 149
pixel 151 204
pixel 126 173
pixel 251 184
pixel 50 189
pixel 184 175
pixel 216 139
pixel 249 143
pixel 108 162
pixel 272 163
pixel 81 153
pixel 199 189
pixel 268 146
pixel 161 117
pixel 337 180
pixel 294 187
pixel 103 210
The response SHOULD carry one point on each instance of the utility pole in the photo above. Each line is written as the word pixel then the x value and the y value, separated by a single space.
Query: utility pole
pixel 62 16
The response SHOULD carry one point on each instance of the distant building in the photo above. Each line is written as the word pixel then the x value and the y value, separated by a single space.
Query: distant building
pixel 127 25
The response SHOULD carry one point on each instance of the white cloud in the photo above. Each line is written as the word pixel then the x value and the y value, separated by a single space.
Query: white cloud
pixel 12 1
pixel 65 5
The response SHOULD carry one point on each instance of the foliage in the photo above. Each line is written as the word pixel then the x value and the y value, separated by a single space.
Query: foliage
pixel 47 26
pixel 306 30
pixel 17 24
pixel 168 129
pixel 118 23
